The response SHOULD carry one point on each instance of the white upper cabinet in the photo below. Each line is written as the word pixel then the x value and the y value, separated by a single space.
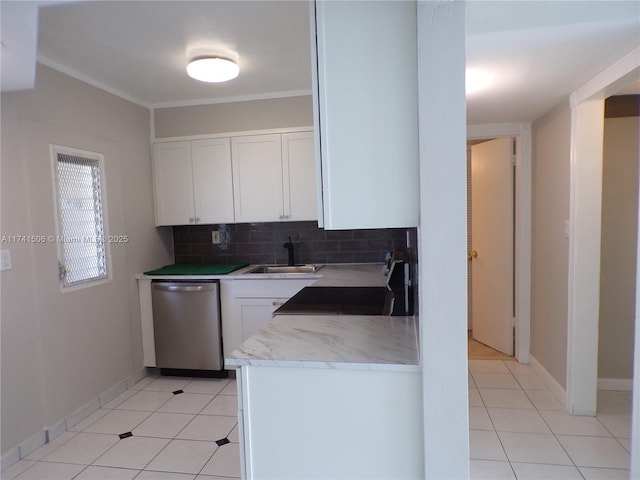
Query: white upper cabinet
pixel 173 183
pixel 299 176
pixel 366 112
pixel 193 182
pixel 268 177
pixel 257 178
pixel 212 185
pixel 274 177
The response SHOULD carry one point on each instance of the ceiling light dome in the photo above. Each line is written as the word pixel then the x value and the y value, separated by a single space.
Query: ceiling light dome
pixel 213 69
pixel 477 80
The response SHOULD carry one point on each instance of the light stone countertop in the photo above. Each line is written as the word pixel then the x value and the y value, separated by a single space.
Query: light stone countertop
pixel 332 274
pixel 367 342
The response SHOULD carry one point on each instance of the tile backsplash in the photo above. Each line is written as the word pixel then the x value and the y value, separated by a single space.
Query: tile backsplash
pixel 258 243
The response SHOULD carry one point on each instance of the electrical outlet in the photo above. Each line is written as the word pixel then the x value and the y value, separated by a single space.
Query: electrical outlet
pixel 215 237
pixel 5 260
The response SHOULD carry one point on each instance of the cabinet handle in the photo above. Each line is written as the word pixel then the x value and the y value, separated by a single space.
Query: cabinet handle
pixel 274 303
pixel 191 220
pixel 197 219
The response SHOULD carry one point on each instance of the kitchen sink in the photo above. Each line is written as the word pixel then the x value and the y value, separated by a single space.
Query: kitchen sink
pixel 310 268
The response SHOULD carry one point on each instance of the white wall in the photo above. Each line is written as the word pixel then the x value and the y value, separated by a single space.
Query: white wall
pixel 551 135
pixel 442 238
pixel 234 116
pixel 60 350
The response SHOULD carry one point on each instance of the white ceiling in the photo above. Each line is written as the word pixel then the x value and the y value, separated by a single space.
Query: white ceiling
pixel 140 49
pixel 541 51
pixel 538 51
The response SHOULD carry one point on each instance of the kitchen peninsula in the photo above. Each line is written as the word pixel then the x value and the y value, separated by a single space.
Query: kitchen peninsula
pixel 331 396
pixel 320 396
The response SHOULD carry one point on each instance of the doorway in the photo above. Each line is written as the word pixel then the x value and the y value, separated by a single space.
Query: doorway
pixel 587 128
pixel 521 134
pixel 618 257
pixel 491 235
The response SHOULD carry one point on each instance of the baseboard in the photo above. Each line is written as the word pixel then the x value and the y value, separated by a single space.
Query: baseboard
pixel 558 391
pixel 622 384
pixel 81 413
pixel 9 457
pixel 33 443
pixel 51 432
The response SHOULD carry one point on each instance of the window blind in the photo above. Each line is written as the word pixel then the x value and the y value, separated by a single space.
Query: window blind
pixel 80 219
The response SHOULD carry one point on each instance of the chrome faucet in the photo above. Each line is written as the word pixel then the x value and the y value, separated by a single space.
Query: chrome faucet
pixel 289 247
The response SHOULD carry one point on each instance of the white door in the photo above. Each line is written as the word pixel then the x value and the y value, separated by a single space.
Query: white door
pixel 256 313
pixel 212 180
pixel 257 178
pixel 492 207
pixel 173 183
pixel 299 176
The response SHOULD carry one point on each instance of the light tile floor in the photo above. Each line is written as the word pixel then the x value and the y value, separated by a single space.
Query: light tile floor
pixel 519 430
pixel 173 436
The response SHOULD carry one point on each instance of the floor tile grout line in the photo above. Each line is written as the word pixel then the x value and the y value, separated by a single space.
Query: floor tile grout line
pixel 608 430
pixel 213 454
pixel 588 436
pixel 149 413
pixel 552 433
pixel 546 423
pixel 169 440
pixel 161 450
pixel 175 438
pixel 49 444
pixel 557 439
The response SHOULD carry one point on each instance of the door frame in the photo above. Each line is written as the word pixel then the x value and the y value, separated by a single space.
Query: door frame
pixel 522 254
pixel 587 129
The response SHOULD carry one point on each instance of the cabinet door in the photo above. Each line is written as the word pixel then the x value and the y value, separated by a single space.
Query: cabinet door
pixel 212 180
pixel 257 178
pixel 299 176
pixel 247 306
pixel 173 183
pixel 255 313
pixel 366 106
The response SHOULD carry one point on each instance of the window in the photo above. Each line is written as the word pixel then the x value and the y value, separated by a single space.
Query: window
pixel 80 222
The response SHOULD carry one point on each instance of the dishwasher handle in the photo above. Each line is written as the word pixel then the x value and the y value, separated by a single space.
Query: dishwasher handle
pixel 178 287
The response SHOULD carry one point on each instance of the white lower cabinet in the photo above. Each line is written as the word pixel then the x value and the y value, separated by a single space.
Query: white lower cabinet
pixel 330 423
pixel 248 305
pixel 255 313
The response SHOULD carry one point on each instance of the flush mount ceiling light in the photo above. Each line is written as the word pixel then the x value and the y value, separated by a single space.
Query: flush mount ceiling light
pixel 477 80
pixel 213 69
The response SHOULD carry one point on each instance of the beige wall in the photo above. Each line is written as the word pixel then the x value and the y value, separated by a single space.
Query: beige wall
pixel 61 350
pixel 618 249
pixel 551 136
pixel 234 117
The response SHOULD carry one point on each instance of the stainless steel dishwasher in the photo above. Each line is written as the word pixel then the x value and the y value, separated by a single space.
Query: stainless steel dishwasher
pixel 186 324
